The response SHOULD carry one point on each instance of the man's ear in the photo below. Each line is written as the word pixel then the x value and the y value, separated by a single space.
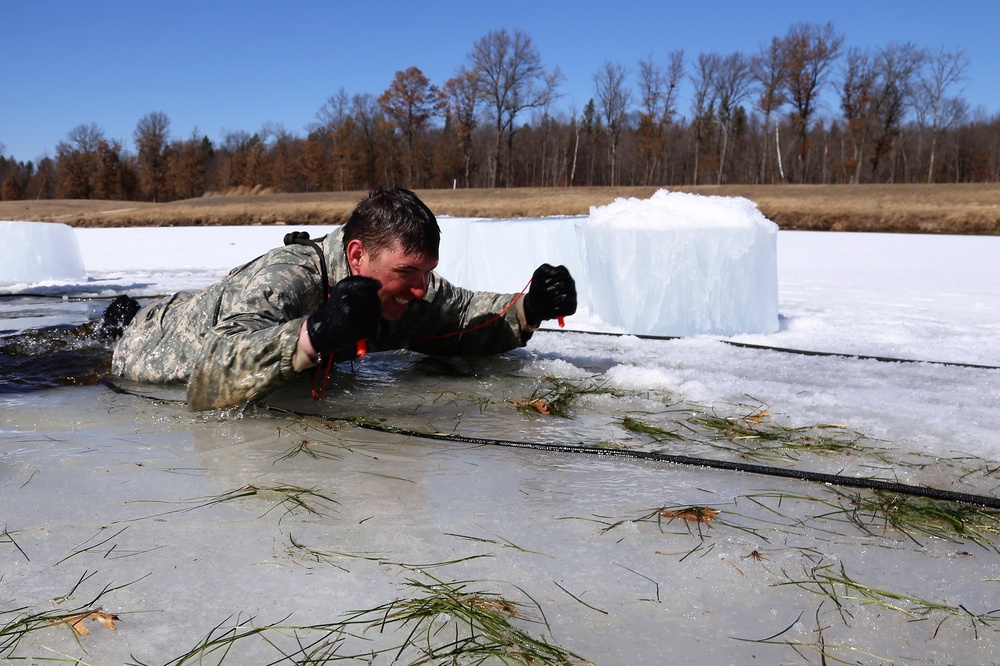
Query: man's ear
pixel 355 255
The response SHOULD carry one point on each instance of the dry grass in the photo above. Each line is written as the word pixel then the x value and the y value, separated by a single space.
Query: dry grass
pixel 945 208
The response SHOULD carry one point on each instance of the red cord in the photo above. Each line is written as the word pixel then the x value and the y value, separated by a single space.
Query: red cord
pixel 317 394
pixel 477 326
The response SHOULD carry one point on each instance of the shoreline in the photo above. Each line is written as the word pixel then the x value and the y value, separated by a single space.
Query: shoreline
pixel 960 209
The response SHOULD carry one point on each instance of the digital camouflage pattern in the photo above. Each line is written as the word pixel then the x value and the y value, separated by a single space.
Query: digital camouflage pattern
pixel 234 341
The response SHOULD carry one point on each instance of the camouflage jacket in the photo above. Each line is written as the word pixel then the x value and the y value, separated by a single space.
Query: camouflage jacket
pixel 235 340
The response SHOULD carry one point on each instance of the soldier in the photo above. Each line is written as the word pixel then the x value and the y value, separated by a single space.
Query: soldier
pixel 309 302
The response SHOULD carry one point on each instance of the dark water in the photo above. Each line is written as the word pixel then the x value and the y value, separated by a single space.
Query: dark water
pixel 56 356
pixel 49 340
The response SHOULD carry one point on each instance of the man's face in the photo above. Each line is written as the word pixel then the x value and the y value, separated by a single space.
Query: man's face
pixel 403 276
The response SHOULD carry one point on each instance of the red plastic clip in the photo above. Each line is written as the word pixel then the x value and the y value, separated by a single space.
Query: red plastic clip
pixel 362 347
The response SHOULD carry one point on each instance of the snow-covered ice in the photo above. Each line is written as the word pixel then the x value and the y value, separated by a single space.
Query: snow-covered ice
pixel 112 489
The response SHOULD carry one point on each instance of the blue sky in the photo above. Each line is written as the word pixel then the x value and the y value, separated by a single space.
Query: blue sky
pixel 224 66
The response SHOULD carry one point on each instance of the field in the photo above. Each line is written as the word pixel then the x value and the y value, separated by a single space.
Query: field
pixel 944 209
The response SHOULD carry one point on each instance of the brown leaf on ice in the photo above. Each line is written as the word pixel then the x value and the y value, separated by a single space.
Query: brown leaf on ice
pixel 76 621
pixel 543 406
pixel 759 417
pixel 692 514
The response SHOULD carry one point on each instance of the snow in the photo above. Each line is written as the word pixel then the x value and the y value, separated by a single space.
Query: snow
pixel 579 534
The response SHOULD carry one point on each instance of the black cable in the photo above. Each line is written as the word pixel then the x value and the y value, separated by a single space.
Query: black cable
pixel 883 359
pixel 786 350
pixel 750 468
pixel 580 448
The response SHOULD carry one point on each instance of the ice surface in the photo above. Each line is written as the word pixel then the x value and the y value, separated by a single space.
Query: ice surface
pixel 33 252
pixel 112 488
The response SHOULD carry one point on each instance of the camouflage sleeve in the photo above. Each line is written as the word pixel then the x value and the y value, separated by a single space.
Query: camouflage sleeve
pixel 248 352
pixel 452 321
pixel 154 348
pixel 238 366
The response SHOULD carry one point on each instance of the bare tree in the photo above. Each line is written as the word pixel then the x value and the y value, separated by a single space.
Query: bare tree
pixel 460 96
pixel 76 161
pixel 614 98
pixel 410 101
pixel 373 135
pixel 285 161
pixel 334 111
pixel 768 70
pixel 329 153
pixel 108 177
pixel 151 134
pixel 703 104
pixel 233 150
pixel 809 51
pixel 658 89
pixel 510 79
pixel 937 110
pixel 857 97
pixel 897 66
pixel 732 82
pixel 189 166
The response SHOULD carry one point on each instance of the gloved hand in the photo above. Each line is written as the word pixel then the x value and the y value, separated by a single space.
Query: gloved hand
pixel 353 312
pixel 552 294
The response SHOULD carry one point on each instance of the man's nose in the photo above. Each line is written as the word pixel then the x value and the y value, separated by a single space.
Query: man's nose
pixel 418 286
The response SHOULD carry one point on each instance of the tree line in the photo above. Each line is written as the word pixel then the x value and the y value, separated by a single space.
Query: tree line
pixel 753 118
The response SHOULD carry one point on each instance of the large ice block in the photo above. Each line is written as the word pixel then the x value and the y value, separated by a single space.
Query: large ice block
pixel 681 264
pixel 675 264
pixel 32 252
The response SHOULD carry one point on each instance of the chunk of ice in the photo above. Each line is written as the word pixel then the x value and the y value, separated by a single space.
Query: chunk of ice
pixel 33 252
pixel 682 264
pixel 676 264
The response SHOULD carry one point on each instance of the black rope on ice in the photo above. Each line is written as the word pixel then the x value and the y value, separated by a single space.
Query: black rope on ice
pixel 580 448
pixel 787 350
pixel 735 466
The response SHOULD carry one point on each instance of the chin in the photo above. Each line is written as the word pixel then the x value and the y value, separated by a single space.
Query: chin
pixel 393 311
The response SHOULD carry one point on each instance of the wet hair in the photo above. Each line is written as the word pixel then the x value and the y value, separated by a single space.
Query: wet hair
pixel 386 217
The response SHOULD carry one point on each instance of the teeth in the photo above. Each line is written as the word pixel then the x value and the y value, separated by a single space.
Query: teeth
pixel 401 301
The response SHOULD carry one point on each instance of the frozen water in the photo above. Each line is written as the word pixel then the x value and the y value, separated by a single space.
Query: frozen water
pixel 681 264
pixel 674 265
pixel 39 252
pixel 103 489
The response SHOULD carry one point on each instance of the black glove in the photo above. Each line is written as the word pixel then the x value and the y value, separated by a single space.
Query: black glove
pixel 353 312
pixel 552 294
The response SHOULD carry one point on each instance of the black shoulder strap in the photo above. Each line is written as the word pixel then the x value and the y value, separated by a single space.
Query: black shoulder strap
pixel 302 238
